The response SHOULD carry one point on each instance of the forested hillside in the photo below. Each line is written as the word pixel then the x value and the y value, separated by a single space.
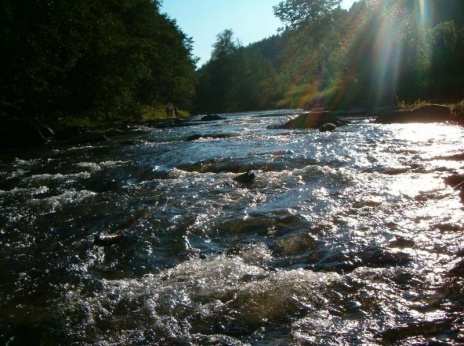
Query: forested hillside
pixel 101 58
pixel 375 54
pixel 109 59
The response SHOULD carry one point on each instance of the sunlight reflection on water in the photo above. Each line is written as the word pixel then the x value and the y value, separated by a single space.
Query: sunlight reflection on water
pixel 342 236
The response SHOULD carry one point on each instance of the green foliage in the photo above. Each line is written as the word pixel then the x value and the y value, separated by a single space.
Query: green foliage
pixel 447 77
pixel 91 57
pixel 236 78
pixel 158 112
pixel 225 45
pixel 378 52
pixel 298 12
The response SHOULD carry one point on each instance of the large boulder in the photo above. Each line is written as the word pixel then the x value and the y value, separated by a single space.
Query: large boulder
pixel 311 120
pixel 316 120
pixel 424 114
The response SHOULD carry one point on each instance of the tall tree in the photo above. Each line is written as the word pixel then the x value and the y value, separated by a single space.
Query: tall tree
pixel 95 57
pixel 297 12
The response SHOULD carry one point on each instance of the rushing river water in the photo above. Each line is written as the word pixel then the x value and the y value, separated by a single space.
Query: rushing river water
pixel 344 238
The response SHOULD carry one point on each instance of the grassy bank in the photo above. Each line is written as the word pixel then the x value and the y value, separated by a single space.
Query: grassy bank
pixel 158 113
pixel 146 115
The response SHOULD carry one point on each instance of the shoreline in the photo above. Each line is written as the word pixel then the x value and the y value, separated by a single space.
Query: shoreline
pixel 19 134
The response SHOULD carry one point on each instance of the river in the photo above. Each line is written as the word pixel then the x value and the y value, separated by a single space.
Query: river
pixel 344 238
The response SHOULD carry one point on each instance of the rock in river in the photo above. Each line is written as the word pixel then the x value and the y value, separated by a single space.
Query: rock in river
pixel 246 178
pixel 316 120
pixel 455 180
pixel 108 239
pixel 328 127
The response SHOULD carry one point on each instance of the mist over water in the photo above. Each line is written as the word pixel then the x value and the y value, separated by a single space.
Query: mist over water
pixel 344 238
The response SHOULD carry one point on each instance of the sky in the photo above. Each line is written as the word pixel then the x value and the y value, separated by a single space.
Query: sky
pixel 250 20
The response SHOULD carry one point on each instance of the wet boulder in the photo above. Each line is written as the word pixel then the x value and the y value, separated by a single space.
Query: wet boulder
pixel 328 127
pixel 311 120
pixel 401 242
pixel 294 243
pixel 316 120
pixel 455 180
pixel 246 178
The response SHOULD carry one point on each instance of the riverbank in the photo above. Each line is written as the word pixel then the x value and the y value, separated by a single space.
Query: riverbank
pixel 18 133
pixel 423 112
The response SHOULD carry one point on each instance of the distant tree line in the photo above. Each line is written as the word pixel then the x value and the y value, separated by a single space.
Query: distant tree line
pixel 375 54
pixel 103 58
pixel 108 58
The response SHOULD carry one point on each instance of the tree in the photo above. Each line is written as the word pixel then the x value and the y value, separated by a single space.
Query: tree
pixel 378 52
pixel 225 45
pixel 294 13
pixel 106 57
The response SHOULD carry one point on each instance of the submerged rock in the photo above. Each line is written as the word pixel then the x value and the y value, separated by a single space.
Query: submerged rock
pixel 212 136
pixel 212 117
pixel 246 178
pixel 348 260
pixel 425 329
pixel 108 239
pixel 295 243
pixel 401 242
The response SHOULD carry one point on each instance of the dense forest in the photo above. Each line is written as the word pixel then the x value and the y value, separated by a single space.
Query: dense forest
pixel 114 59
pixel 105 59
pixel 375 54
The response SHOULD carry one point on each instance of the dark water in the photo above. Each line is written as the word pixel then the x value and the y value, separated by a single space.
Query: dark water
pixel 344 238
